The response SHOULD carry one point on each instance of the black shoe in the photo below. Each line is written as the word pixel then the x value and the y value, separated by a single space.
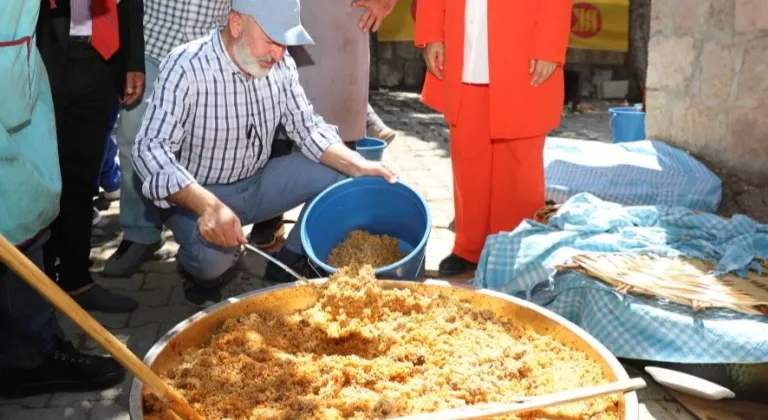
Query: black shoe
pixel 100 299
pixel 265 234
pixel 453 265
pixel 64 370
pixel 298 263
pixel 203 296
pixel 128 257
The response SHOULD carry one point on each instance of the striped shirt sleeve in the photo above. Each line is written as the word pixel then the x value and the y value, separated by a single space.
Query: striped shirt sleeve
pixel 302 124
pixel 161 135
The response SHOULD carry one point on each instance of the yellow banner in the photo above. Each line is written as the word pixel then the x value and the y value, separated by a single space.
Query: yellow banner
pixel 595 24
pixel 600 25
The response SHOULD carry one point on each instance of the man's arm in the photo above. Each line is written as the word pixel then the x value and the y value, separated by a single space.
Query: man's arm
pixel 161 135
pixel 319 140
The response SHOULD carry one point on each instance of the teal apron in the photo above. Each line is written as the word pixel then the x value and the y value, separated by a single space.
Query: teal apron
pixel 30 180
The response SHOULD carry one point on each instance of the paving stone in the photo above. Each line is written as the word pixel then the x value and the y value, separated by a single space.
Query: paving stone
pixel 161 280
pixel 139 340
pixel 118 394
pixel 120 284
pixel 150 298
pixel 38 401
pixel 109 411
pixel 74 412
pixel 169 315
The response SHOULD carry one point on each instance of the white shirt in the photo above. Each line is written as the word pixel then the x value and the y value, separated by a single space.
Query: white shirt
pixel 207 122
pixel 475 42
pixel 80 18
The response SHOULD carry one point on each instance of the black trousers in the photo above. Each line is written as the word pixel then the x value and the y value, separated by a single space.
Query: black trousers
pixel 82 106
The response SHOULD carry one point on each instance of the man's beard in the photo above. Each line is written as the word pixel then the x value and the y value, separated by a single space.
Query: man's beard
pixel 251 65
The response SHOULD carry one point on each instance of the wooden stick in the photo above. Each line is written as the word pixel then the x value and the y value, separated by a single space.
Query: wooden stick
pixel 484 411
pixel 27 270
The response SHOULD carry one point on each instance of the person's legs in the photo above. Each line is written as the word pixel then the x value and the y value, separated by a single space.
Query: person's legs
pixel 471 154
pixel 33 360
pixel 265 234
pixel 109 177
pixel 82 111
pixel 517 182
pixel 139 217
pixel 376 127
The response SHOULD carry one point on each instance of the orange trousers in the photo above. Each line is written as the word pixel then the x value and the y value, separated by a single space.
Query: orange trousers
pixel 497 183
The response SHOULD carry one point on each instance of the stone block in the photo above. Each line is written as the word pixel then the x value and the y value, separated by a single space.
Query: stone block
pixel 747 153
pixel 670 62
pixel 386 50
pixel 699 128
pixel 720 15
pixel 753 79
pixel 390 74
pixel 689 15
pixel 661 17
pixel 414 73
pixel 751 16
pixel 717 74
pixel 658 120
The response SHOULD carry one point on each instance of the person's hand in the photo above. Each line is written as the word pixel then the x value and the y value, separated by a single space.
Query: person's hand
pixel 373 168
pixel 541 71
pixel 220 226
pixel 376 11
pixel 434 56
pixel 134 87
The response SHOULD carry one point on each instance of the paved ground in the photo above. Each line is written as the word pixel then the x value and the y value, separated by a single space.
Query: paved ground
pixel 419 155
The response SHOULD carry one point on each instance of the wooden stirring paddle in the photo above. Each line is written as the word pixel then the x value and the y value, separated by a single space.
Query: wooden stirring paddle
pixel 27 270
pixel 485 411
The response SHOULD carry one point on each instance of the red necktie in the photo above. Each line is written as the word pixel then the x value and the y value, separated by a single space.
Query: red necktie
pixel 105 37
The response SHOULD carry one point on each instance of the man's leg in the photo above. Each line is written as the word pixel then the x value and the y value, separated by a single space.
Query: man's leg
pixel 32 359
pixel 286 183
pixel 82 111
pixel 264 234
pixel 139 217
pixel 471 155
pixel 376 127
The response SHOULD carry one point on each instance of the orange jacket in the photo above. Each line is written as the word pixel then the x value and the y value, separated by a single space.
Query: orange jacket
pixel 518 31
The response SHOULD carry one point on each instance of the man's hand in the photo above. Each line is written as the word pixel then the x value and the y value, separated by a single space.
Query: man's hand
pixel 434 56
pixel 341 158
pixel 376 11
pixel 541 71
pixel 220 226
pixel 134 87
pixel 372 168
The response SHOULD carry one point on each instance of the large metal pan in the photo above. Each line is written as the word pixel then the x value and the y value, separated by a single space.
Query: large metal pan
pixel 284 299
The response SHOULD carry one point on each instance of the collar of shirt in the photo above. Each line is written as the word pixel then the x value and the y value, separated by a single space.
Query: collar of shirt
pixel 221 51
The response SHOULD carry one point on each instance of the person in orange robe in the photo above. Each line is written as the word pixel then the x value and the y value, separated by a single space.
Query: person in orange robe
pixel 495 72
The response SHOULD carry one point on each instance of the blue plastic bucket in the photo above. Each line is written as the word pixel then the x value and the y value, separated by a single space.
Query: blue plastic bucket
pixel 371 148
pixel 627 124
pixel 376 206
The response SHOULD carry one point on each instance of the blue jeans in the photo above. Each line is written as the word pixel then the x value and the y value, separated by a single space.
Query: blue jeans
pixel 139 217
pixel 27 322
pixel 109 178
pixel 283 184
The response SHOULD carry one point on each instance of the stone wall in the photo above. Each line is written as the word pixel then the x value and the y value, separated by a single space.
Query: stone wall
pixel 398 64
pixel 707 84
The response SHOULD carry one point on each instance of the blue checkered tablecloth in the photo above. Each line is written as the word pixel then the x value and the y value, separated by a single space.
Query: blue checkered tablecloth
pixel 644 172
pixel 522 263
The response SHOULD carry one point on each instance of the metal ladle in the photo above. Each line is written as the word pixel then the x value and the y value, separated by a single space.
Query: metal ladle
pixel 276 261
